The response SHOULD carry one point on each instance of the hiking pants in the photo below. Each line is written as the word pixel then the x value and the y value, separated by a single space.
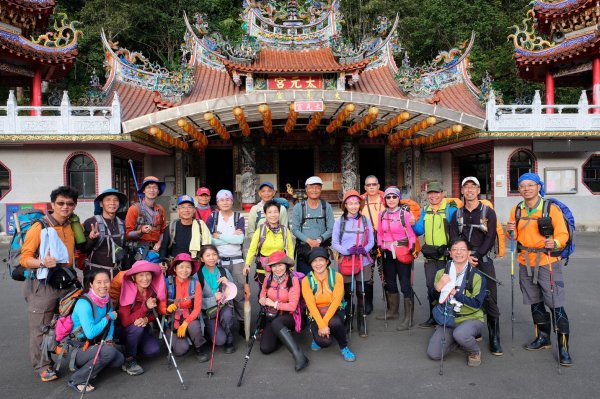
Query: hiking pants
pixel 269 342
pixel 490 304
pixel 140 339
pixel 541 292
pixel 109 357
pixel 463 335
pixel 392 268
pixel 180 346
pixel 239 280
pixel 431 268
pixel 225 328
pixel 337 331
pixel 42 302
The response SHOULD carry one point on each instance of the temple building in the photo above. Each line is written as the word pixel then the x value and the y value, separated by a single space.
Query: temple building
pixel 294 98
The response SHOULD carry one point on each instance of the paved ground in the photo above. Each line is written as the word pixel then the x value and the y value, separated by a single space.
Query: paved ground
pixel 389 364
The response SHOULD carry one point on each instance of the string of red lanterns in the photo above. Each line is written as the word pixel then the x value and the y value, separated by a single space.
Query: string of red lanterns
pixel 342 116
pixel 364 122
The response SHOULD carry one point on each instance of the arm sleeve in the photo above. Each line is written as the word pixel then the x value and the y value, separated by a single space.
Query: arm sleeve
pixel 330 221
pixel 283 216
pixel 130 224
pixel 379 231
pixel 419 227
pixel 251 253
pixel 290 243
pixel 297 221
pixel 475 302
pixel 236 239
pixel 293 297
pixel 164 245
pixel 335 238
pixel 311 304
pixel 91 328
pixel 197 303
pixel 453 227
pixel 241 225
pixel 263 288
pixel 338 295
pixel 31 244
pixel 251 222
pixel 410 232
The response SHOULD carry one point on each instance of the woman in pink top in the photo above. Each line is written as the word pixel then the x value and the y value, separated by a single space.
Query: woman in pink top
pixel 396 239
pixel 279 298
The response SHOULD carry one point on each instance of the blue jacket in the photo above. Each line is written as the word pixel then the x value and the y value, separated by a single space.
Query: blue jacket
pixel 92 327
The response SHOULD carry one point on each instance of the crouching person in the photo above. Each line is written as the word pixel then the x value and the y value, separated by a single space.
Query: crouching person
pixel 280 296
pixel 93 321
pixel 462 288
pixel 323 291
pixel 184 296
pixel 142 292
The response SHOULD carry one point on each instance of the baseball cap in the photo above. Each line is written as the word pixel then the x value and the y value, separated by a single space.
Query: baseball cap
pixel 203 191
pixel 185 198
pixel 268 184
pixel 313 180
pixel 434 186
pixel 470 179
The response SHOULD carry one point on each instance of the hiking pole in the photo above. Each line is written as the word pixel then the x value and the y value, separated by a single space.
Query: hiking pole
pixel 171 341
pixel 412 294
pixel 385 302
pixel 162 331
pixel 137 187
pixel 443 342
pixel 261 314
pixel 351 298
pixel 362 281
pixel 489 277
pixel 210 371
pixel 512 292
pixel 554 313
pixel 87 381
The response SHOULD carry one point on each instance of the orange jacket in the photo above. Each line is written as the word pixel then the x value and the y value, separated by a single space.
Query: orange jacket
pixel 158 225
pixel 186 309
pixel 33 240
pixel 527 234
pixel 323 298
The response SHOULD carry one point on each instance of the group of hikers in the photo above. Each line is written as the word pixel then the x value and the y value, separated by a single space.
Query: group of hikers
pixel 189 277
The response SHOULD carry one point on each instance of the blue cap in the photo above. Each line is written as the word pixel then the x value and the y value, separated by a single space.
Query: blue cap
pixel 185 198
pixel 268 184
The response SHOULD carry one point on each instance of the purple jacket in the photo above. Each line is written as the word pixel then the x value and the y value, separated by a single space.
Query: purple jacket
pixel 349 237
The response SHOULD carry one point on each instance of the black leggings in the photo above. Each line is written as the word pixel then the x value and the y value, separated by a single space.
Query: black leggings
pixel 337 331
pixel 269 341
pixel 392 268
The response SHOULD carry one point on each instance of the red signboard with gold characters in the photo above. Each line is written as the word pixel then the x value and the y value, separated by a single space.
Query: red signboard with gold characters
pixel 294 82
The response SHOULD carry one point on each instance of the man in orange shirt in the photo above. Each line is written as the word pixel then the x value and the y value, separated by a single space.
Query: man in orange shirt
pixel 41 293
pixel 540 276
pixel 373 198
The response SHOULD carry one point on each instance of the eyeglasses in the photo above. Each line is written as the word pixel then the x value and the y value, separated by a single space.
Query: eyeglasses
pixel 391 197
pixel 459 249
pixel 371 184
pixel 69 204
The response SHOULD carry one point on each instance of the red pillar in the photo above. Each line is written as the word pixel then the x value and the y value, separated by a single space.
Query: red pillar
pixel 36 91
pixel 596 83
pixel 549 92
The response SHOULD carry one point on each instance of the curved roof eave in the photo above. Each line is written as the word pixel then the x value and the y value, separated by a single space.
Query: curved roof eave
pixel 225 104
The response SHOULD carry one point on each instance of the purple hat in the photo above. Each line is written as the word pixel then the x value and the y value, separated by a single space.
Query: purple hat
pixel 392 190
pixel 222 194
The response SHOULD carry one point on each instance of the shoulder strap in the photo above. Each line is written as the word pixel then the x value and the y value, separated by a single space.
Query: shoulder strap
pixel 285 238
pixel 215 218
pixel 170 288
pixel 331 279
pixel 342 227
pixel 92 304
pixel 312 282
pixel 365 230
pixel 172 231
pixel 459 219
pixel 324 212
pixel 192 287
pixel 262 237
pixel 546 207
pixel 304 213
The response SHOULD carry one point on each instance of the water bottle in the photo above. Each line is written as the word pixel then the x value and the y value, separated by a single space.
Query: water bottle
pixel 77 229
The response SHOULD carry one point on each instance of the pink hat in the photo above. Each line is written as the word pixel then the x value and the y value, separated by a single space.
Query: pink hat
pixel 129 288
pixel 203 191
pixel 229 290
pixel 184 257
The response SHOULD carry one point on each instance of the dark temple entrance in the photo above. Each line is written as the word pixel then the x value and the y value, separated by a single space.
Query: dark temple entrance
pixel 219 164
pixel 295 166
pixel 480 166
pixel 371 161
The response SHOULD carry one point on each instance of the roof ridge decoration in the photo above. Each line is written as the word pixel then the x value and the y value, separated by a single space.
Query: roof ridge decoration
pixel 558 5
pixel 134 69
pixel 64 36
pixel 447 69
pixel 524 37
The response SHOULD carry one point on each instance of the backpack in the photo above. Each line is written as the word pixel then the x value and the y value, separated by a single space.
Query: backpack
pixel 313 282
pixel 305 213
pixel 173 230
pixel 282 202
pixel 300 310
pixel 171 294
pixel 23 220
pixel 141 220
pixel 263 236
pixel 201 276
pixel 215 218
pixel 569 219
pixel 500 246
pixel 105 234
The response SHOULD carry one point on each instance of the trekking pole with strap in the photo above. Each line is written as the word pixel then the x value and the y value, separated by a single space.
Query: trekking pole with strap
pixel 162 331
pixel 412 294
pixel 362 282
pixel 351 298
pixel 261 315
pixel 385 302
pixel 554 313
pixel 489 277
pixel 512 292
pixel 87 381
pixel 443 343
pixel 137 187
pixel 210 371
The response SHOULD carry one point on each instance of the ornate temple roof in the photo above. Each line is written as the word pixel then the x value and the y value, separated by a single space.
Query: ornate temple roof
pixel 27 15
pixel 546 12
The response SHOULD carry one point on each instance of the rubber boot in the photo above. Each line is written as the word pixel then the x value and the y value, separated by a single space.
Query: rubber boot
pixel 429 323
pixel 409 311
pixel 360 320
pixel 542 334
pixel 563 350
pixel 368 298
pixel 285 336
pixel 392 312
pixel 494 331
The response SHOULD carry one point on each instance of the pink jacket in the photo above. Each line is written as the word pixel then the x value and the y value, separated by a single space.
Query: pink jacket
pixel 391 230
pixel 288 300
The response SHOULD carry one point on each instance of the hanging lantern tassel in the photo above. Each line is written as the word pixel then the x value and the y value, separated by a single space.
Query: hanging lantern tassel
pixel 239 116
pixel 342 116
pixel 291 121
pixel 315 121
pixel 266 116
pixel 364 122
pixel 214 122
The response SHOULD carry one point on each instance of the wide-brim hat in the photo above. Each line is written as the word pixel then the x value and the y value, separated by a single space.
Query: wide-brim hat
pixel 129 289
pixel 162 186
pixel 229 291
pixel 183 257
pixel 318 252
pixel 278 257
pixel 110 191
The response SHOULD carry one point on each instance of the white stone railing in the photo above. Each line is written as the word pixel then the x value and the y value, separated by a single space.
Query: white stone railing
pixel 62 120
pixel 535 117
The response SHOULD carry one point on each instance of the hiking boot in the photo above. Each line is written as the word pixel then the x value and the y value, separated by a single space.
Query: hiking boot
pixel 494 331
pixel 132 367
pixel 229 348
pixel 391 313
pixel 474 359
pixel 48 375
pixel 314 346
pixel 429 323
pixel 542 340
pixel 348 355
pixel 368 298
pixel 285 336
pixel 201 355
pixel 563 350
pixel 409 310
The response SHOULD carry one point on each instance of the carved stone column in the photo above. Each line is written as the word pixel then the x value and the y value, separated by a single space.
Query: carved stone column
pixel 349 165
pixel 248 174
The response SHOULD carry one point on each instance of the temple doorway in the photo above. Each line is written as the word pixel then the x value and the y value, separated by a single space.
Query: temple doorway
pixel 295 166
pixel 480 166
pixel 219 164
pixel 371 161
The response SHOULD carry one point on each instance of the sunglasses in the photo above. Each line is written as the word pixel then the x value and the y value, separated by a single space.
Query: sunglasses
pixel 391 196
pixel 60 204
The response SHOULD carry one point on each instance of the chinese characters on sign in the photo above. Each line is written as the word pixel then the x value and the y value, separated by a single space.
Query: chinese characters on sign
pixel 294 82
pixel 308 106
